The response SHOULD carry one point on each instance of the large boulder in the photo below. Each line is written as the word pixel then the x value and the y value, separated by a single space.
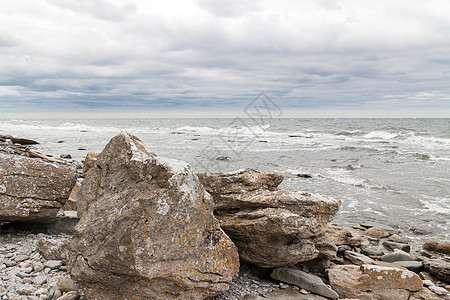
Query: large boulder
pixel 147 230
pixel 271 227
pixel 33 190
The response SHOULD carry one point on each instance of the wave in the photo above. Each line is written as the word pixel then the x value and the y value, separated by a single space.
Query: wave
pixel 440 205
pixel 383 135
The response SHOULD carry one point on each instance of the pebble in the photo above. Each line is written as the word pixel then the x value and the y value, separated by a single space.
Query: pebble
pixel 53 264
pixel 22 274
pixel 394 245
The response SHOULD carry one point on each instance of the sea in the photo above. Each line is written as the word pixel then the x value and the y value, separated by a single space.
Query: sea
pixel 393 172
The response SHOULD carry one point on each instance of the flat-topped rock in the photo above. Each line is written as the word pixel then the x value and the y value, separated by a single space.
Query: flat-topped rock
pixel 33 190
pixel 271 227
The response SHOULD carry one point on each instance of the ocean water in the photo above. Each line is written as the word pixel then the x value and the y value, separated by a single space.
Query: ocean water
pixel 390 171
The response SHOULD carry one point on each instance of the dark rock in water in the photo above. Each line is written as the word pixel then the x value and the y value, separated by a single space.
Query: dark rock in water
pixel 271 227
pixel 33 190
pixel 60 142
pixel 84 131
pixel 223 158
pixel 66 156
pixel 438 268
pixel 20 141
pixel 303 175
pixel 412 265
pixel 309 282
pixel 394 245
pixel 147 230
pixel 419 231
pixel 82 148
pixel 262 141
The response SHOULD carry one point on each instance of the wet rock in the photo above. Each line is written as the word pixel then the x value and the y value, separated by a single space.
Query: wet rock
pixel 66 156
pixel 33 190
pixel 147 228
pixel 376 232
pixel 20 141
pixel 438 268
pixel 343 235
pixel 398 239
pixel 271 227
pixel 393 245
pixel 309 282
pixel 357 258
pixel 437 247
pixel 396 256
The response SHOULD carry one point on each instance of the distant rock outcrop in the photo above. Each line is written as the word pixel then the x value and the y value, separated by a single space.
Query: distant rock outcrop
pixel 33 190
pixel 271 227
pixel 147 230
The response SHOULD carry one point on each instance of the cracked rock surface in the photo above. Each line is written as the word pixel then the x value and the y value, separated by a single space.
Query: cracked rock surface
pixel 32 190
pixel 147 228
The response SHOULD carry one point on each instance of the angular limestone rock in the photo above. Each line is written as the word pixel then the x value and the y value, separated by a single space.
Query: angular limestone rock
pixel 438 268
pixel 271 227
pixel 343 235
pixel 147 230
pixel 373 282
pixel 32 190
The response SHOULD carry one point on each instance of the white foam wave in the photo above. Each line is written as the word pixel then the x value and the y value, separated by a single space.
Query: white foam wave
pixel 383 135
pixel 439 205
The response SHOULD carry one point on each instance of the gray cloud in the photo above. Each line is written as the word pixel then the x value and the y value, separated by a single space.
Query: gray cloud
pixel 311 54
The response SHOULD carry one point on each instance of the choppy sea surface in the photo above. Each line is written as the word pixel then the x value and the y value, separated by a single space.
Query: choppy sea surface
pixel 390 171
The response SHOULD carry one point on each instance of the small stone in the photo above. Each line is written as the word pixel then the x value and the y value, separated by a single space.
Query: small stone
pixel 40 280
pixel 427 276
pixel 37 266
pixel 27 280
pixel 25 290
pixel 412 265
pixel 439 290
pixel 40 291
pixel 398 239
pixel 53 264
pixel 67 285
pixel 309 282
pixel 376 232
pixel 26 270
pixel 371 251
pixel 10 263
pixel 448 287
pixel 21 257
pixel 394 245
pixel 396 256
pixel 343 248
pixel 427 282
pixel 357 258
pixel 73 295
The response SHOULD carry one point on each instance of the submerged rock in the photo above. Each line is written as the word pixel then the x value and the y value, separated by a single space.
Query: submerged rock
pixel 147 230
pixel 271 227
pixel 33 190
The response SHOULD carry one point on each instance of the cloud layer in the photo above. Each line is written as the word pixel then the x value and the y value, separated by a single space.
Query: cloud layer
pixel 73 55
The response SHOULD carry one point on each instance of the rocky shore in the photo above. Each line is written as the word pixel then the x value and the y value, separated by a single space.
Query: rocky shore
pixel 147 227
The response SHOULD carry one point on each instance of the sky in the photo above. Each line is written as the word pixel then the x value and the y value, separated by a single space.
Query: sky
pixel 312 58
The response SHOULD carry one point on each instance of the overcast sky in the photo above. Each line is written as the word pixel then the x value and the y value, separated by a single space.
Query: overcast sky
pixel 312 58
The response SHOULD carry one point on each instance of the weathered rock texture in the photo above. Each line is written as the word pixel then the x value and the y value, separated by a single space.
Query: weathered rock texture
pixel 373 282
pixel 439 268
pixel 270 227
pixel 32 190
pixel 147 230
